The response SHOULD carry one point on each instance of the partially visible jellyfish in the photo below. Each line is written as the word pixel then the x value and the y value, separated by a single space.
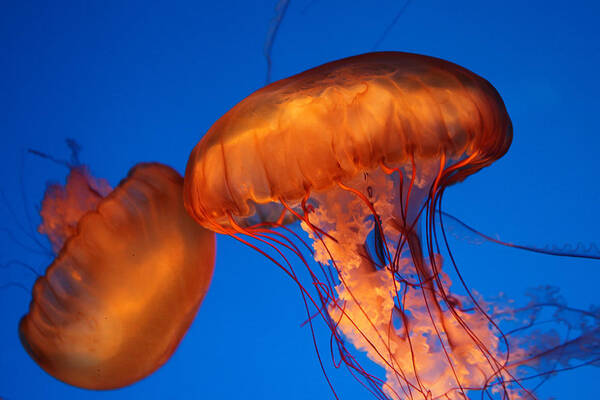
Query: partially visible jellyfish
pixel 131 272
pixel 360 151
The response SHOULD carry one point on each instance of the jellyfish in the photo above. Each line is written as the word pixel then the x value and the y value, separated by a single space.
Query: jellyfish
pixel 360 151
pixel 131 272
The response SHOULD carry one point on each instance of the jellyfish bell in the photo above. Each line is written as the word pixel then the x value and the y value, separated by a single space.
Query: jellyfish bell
pixel 360 150
pixel 337 121
pixel 131 273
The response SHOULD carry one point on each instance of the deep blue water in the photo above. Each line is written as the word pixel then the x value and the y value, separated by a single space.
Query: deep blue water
pixel 142 81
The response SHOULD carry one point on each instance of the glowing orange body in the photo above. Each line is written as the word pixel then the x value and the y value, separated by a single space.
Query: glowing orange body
pixel 124 289
pixel 355 149
pixel 360 151
pixel 330 123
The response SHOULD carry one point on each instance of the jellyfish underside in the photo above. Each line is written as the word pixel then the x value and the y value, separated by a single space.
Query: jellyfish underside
pixel 130 275
pixel 360 151
pixel 395 302
pixel 398 306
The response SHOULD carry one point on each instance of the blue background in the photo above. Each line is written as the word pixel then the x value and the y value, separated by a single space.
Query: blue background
pixel 143 80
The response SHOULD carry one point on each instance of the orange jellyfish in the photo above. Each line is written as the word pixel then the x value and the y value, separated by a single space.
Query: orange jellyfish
pixel 130 275
pixel 360 151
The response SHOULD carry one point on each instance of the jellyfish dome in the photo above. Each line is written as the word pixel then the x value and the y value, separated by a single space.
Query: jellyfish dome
pixel 131 272
pixel 360 151
pixel 328 125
